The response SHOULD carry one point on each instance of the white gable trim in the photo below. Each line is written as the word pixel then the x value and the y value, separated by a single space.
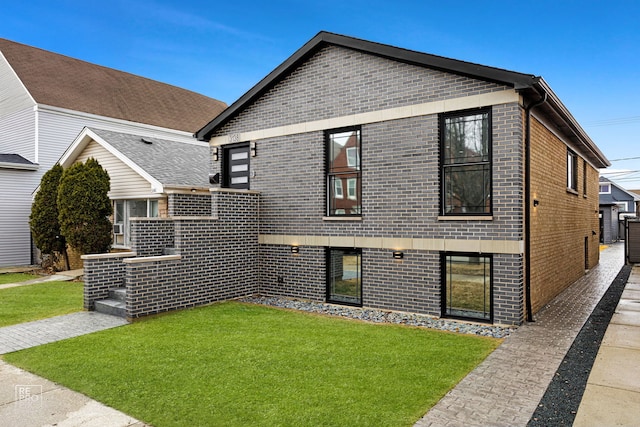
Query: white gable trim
pixel 85 137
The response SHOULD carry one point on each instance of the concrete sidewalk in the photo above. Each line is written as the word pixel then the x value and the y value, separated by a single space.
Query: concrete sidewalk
pixel 27 400
pixel 612 395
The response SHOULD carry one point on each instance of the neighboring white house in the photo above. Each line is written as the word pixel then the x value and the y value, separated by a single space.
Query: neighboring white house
pixel 143 170
pixel 46 99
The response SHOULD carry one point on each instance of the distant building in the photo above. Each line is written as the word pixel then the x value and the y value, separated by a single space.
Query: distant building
pixel 616 204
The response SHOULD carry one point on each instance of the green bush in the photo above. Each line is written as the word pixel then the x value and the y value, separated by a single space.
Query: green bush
pixel 84 207
pixel 43 220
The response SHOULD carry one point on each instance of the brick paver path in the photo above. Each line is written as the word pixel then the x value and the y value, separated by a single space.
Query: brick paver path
pixel 506 388
pixel 31 334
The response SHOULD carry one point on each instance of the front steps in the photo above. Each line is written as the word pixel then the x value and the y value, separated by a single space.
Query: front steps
pixel 115 304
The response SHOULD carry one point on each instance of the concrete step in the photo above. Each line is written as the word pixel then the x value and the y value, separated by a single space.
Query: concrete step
pixel 118 294
pixel 112 307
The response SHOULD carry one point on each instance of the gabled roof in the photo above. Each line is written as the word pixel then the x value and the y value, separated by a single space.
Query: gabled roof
pixel 632 195
pixel 164 163
pixel 60 81
pixel 532 87
pixel 16 161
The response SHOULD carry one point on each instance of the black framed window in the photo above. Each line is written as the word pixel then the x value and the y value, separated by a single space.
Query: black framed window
pixel 344 276
pixel 344 173
pixel 236 166
pixel 466 162
pixel 572 170
pixel 467 286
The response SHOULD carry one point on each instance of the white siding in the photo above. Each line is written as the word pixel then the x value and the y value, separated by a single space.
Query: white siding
pixel 13 94
pixel 15 207
pixel 125 182
pixel 18 133
pixel 56 131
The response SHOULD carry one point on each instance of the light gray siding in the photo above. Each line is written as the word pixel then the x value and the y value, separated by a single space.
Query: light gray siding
pixel 18 133
pixel 54 131
pixel 13 94
pixel 15 205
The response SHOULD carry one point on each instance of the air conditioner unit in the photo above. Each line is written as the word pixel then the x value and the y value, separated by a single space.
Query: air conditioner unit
pixel 117 229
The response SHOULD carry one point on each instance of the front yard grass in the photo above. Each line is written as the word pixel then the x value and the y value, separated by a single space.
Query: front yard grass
pixel 237 364
pixel 16 277
pixel 38 301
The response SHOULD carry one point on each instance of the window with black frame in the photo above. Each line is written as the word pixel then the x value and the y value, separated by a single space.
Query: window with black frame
pixel 344 184
pixel 466 163
pixel 467 286
pixel 344 276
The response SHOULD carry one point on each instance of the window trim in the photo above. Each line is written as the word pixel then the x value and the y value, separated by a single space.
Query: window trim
pixel 328 277
pixel 329 176
pixel 607 184
pixel 584 178
pixel 442 129
pixel 572 171
pixel 626 206
pixel 443 286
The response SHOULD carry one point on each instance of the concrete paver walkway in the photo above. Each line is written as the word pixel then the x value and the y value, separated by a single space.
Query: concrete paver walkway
pixel 27 400
pixel 31 334
pixel 612 395
pixel 506 388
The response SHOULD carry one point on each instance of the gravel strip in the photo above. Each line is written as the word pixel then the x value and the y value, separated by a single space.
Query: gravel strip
pixel 380 316
pixel 559 405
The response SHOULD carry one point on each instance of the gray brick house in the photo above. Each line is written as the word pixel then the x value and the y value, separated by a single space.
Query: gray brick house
pixel 363 174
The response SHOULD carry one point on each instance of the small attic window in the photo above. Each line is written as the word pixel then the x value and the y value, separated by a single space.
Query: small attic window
pixel 146 141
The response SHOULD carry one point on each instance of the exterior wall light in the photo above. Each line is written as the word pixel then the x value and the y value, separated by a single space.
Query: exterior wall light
pixel 536 202
pixel 398 254
pixel 253 149
pixel 295 249
pixel 215 153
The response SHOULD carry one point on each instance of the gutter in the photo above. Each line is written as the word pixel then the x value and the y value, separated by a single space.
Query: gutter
pixel 528 201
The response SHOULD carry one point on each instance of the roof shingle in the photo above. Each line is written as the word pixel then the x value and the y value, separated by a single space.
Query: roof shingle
pixel 60 81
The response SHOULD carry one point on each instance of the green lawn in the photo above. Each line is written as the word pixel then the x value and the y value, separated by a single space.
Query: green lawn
pixel 16 277
pixel 236 364
pixel 38 301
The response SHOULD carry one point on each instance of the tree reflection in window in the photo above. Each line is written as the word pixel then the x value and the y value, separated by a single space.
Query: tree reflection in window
pixel 466 163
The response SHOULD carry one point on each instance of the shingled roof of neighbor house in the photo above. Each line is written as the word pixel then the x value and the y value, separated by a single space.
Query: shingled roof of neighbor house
pixel 171 163
pixel 60 81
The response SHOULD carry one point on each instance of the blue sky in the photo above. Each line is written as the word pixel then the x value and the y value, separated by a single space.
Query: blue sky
pixel 588 51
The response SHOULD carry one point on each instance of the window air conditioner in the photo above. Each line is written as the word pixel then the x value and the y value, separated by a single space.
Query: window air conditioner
pixel 117 229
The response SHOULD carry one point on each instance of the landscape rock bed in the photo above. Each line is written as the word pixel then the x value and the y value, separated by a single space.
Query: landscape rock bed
pixel 382 316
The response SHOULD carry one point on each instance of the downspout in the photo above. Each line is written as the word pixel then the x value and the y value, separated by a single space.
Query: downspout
pixel 527 210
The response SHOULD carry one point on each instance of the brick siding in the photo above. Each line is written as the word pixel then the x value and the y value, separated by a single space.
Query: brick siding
pixel 102 273
pixel 189 204
pixel 400 181
pixel 562 221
